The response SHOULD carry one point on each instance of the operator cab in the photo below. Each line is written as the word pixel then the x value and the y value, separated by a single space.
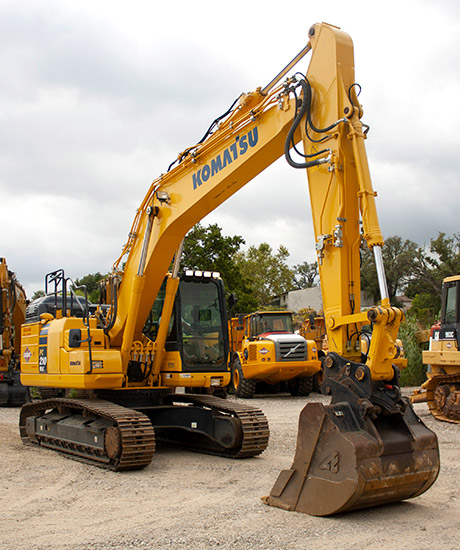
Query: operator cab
pixel 198 324
pixel 450 318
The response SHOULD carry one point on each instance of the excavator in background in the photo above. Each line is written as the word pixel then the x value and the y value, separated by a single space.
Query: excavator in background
pixel 367 447
pixel 13 304
pixel 265 348
pixel 442 389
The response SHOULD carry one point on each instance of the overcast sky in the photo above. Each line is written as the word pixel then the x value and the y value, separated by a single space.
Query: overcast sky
pixel 99 97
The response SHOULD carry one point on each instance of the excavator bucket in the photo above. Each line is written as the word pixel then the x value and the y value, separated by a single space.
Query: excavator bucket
pixel 349 457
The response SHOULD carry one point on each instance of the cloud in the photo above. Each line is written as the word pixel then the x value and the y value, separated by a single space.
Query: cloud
pixel 101 97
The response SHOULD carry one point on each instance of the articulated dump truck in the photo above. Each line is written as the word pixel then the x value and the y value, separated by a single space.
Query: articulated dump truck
pixel 265 348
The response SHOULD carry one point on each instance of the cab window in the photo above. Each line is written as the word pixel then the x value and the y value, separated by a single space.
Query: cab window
pixel 451 305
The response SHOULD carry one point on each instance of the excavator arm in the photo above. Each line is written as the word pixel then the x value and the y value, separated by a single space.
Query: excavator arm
pixel 367 447
pixel 343 203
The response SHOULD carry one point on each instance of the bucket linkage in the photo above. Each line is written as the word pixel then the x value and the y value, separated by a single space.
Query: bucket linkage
pixel 368 447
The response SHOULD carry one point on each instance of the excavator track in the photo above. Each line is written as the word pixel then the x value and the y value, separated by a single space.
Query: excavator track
pixel 254 425
pixel 443 397
pixel 107 435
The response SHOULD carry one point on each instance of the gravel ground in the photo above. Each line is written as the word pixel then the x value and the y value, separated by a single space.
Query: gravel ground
pixel 187 500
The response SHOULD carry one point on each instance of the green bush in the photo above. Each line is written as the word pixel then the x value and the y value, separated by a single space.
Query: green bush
pixel 415 373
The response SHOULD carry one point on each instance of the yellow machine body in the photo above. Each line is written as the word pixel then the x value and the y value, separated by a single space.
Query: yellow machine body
pixel 13 313
pixel 49 361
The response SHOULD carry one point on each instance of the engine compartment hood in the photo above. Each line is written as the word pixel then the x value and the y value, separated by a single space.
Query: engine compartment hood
pixel 282 337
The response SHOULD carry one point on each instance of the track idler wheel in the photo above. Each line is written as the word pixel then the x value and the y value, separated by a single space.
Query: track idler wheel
pixel 446 399
pixel 353 454
pixel 112 442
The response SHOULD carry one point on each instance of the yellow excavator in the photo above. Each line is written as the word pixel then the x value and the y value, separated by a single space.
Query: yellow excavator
pixel 367 447
pixel 13 305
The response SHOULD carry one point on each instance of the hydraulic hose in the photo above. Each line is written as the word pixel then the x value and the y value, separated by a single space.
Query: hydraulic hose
pixel 304 109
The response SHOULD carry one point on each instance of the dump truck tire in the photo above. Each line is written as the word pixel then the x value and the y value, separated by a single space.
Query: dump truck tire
pixel 300 387
pixel 242 386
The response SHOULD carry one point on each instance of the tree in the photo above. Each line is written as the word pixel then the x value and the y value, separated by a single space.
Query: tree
pixel 38 294
pixel 91 282
pixel 268 272
pixel 425 307
pixel 305 274
pixel 207 249
pixel 399 258
pixel 446 259
pixel 442 260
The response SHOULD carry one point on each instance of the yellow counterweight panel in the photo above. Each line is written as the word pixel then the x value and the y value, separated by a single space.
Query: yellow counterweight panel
pixel 47 359
pixel 30 335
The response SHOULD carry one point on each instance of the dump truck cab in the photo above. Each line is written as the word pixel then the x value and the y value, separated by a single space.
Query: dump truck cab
pixel 265 348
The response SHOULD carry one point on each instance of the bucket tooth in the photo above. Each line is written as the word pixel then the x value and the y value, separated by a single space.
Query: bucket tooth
pixel 345 459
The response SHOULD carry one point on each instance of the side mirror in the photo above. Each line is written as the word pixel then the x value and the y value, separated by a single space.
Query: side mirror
pixel 232 300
